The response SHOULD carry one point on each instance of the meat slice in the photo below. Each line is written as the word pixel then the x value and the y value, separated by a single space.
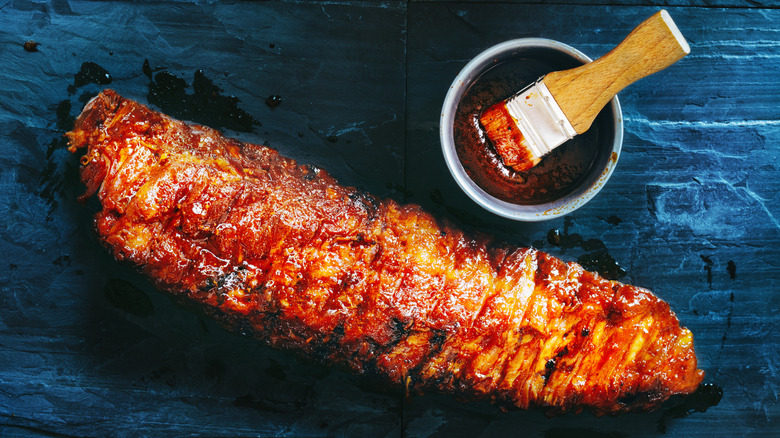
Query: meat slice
pixel 282 252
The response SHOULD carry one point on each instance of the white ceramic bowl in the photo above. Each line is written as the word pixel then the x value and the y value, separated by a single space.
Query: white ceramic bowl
pixel 599 172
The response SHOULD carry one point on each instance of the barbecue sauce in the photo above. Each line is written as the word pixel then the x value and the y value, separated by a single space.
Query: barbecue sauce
pixel 559 172
pixel 91 73
pixel 206 104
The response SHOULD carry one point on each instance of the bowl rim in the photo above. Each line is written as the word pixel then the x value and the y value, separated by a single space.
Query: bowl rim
pixel 520 212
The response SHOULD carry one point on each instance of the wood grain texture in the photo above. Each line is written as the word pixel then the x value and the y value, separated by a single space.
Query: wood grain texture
pixel 769 4
pixel 582 92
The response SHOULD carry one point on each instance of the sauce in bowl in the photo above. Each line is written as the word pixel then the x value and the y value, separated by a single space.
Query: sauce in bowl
pixel 560 172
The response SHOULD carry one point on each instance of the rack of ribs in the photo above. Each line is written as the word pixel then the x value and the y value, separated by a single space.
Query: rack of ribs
pixel 282 252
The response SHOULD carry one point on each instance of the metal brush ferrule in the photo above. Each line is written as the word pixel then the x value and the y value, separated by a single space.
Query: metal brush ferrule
pixel 540 119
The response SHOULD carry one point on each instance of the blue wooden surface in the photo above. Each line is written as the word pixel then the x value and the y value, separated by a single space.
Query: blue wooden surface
pixel 690 212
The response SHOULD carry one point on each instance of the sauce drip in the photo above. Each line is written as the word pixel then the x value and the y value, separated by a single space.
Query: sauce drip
pixel 91 73
pixel 556 175
pixel 31 46
pixel 273 100
pixel 680 406
pixel 206 105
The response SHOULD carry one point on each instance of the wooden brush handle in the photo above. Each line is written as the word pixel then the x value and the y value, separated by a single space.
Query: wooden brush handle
pixel 583 91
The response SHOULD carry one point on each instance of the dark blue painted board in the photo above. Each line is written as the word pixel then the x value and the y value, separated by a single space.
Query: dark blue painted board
pixel 690 211
pixel 657 3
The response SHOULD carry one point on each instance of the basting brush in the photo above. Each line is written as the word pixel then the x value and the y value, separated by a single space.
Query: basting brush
pixel 563 104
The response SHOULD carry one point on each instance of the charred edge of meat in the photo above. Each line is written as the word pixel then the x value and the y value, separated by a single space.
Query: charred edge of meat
pixel 436 342
pixel 310 172
pixel 399 330
pixel 369 203
pixel 327 344
pixel 549 367
pixel 639 398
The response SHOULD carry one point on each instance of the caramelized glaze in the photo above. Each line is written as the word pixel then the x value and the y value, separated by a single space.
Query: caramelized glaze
pixel 282 252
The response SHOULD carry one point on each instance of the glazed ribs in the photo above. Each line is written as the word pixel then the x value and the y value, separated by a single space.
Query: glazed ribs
pixel 281 251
